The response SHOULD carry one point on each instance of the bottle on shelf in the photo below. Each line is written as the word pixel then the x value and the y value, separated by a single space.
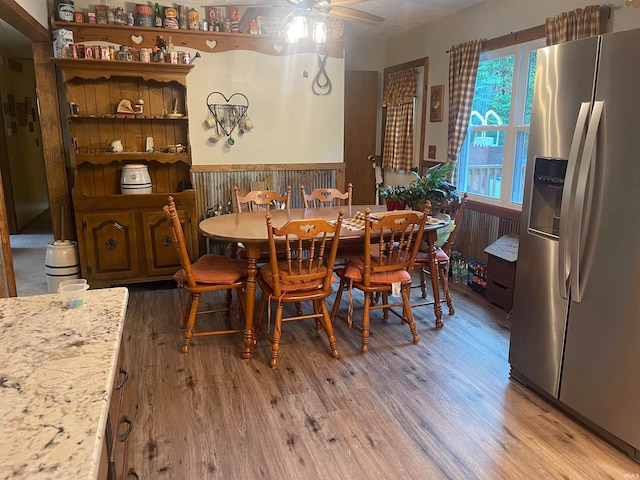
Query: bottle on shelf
pixel 172 53
pixel 183 22
pixel 157 16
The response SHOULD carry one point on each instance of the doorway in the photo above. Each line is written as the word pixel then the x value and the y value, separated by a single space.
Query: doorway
pixel 22 166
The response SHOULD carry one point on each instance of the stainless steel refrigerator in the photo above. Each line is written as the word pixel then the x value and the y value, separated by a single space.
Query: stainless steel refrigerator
pixel 575 333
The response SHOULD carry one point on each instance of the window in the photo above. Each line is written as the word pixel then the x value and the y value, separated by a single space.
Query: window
pixel 492 160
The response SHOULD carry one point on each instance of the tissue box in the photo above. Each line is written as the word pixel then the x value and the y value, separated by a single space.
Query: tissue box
pixel 62 38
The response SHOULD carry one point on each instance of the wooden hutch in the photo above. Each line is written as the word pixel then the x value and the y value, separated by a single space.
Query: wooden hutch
pixel 125 238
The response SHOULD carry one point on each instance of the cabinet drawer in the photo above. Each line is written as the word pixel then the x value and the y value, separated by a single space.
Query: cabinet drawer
pixel 499 295
pixel 501 271
pixel 120 419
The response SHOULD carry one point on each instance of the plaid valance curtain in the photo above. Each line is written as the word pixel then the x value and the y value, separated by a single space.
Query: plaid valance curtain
pixel 399 93
pixel 463 69
pixel 579 23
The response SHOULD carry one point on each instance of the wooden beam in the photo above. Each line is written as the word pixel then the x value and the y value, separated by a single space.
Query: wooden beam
pixel 52 140
pixel 8 276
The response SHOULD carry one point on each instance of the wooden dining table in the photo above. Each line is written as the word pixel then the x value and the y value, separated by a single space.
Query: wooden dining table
pixel 250 229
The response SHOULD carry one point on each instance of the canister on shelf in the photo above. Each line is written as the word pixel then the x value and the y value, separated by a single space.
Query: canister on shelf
pixel 64 10
pixel 145 55
pixel 170 18
pixel 194 19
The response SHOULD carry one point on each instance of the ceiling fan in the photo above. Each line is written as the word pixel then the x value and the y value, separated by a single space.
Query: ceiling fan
pixel 335 9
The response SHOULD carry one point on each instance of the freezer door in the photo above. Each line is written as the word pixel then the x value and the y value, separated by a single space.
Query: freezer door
pixel 601 374
pixel 564 81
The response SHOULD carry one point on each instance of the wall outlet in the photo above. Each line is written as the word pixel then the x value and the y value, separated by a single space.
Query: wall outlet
pixel 432 152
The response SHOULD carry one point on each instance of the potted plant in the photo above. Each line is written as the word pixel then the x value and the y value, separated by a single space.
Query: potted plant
pixel 432 186
pixel 395 196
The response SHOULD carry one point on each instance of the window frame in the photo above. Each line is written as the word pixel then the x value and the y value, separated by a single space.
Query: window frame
pixel 512 129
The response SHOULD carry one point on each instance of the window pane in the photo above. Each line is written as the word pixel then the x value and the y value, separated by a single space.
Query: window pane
pixel 484 157
pixel 519 166
pixel 492 97
pixel 531 75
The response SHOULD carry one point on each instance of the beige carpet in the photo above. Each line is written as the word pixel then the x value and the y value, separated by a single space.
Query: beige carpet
pixel 28 251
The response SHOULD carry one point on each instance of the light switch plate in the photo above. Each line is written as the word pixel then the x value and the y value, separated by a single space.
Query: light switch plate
pixel 432 152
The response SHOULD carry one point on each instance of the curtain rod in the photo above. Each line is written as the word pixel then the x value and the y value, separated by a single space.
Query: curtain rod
pixel 513 35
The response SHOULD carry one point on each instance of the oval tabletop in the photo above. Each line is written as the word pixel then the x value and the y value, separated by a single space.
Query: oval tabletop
pixel 251 226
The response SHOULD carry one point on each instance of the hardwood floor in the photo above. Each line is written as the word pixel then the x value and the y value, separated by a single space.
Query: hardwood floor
pixel 444 408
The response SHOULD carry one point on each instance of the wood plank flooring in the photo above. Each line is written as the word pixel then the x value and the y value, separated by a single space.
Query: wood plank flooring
pixel 444 408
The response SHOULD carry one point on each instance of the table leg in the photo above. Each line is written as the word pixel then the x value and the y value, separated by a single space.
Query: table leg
pixel 253 253
pixel 432 237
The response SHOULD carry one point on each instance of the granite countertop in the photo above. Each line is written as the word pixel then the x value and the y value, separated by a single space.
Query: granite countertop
pixel 57 368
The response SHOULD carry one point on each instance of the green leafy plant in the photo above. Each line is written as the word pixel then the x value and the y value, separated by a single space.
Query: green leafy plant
pixel 394 192
pixel 432 186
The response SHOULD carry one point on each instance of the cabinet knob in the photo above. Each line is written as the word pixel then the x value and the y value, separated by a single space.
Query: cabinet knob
pixel 167 241
pixel 111 244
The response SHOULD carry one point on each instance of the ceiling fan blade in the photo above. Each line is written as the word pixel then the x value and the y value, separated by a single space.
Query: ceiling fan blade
pixel 349 14
pixel 335 3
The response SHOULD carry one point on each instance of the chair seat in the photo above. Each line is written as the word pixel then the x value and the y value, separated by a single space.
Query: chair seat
pixel 290 285
pixel 355 268
pixel 215 269
pixel 422 258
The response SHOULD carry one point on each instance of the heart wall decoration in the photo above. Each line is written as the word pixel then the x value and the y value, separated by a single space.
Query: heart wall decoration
pixel 137 39
pixel 211 44
pixel 228 112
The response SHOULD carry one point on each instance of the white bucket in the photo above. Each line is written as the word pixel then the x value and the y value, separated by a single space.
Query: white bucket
pixel 135 179
pixel 61 263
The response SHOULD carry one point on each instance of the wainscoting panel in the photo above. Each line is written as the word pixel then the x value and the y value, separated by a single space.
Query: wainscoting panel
pixel 214 184
pixel 478 230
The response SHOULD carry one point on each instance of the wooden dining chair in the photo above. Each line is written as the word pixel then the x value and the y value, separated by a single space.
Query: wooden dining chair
pixel 390 246
pixel 305 275
pixel 210 273
pixel 326 197
pixel 261 200
pixel 423 262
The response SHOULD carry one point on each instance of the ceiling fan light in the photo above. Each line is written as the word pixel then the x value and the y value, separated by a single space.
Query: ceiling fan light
pixel 289 34
pixel 299 26
pixel 319 32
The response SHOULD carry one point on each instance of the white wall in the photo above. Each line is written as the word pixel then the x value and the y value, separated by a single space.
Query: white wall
pixel 37 9
pixel 291 123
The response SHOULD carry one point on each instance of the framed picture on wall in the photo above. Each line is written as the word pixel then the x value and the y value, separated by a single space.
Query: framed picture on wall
pixel 12 105
pixel 22 114
pixel 435 109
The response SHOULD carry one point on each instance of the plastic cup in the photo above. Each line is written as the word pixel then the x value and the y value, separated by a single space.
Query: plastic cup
pixel 73 293
pixel 75 281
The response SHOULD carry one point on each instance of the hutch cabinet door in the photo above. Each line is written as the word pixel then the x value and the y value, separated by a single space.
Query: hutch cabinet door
pixel 110 245
pixel 162 256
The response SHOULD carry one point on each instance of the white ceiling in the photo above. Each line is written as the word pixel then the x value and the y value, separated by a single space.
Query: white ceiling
pixel 400 16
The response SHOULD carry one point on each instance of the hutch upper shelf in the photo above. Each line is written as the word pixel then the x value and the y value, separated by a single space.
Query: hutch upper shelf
pixel 95 69
pixel 205 41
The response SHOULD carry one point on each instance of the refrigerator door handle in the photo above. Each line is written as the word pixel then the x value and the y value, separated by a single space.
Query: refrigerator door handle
pixel 568 198
pixel 581 190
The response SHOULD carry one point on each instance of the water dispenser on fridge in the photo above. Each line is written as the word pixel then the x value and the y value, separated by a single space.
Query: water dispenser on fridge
pixel 546 197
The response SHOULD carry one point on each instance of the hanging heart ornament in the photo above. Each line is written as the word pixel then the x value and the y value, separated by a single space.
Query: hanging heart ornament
pixel 228 111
